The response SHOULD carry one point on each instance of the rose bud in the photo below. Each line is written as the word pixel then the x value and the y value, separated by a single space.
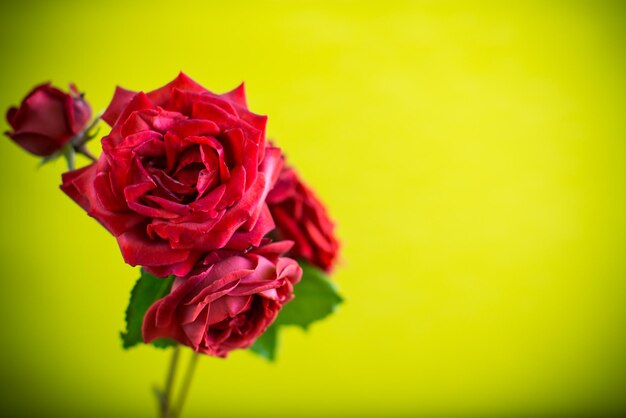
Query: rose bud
pixel 47 119
pixel 302 218
pixel 184 171
pixel 228 304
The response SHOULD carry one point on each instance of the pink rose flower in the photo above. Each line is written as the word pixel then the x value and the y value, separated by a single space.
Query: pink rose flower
pixel 183 172
pixel 227 304
pixel 302 218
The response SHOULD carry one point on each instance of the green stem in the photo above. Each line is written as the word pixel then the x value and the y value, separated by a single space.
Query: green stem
pixel 70 157
pixel 166 395
pixel 92 125
pixel 186 384
pixel 79 142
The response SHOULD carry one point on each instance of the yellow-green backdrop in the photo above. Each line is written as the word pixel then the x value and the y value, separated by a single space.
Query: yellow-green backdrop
pixel 472 154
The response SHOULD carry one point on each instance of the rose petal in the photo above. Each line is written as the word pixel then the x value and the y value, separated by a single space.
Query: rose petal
pixel 161 96
pixel 237 96
pixel 44 113
pixel 34 143
pixel 138 249
pixel 121 99
pixel 79 185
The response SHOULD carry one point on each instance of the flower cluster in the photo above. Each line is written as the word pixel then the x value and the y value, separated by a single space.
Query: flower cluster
pixel 190 187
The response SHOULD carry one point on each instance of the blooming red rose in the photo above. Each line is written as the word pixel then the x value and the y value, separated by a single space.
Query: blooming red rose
pixel 302 218
pixel 227 304
pixel 48 119
pixel 184 171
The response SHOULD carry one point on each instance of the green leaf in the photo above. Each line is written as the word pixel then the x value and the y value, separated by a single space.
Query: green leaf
pixel 265 345
pixel 146 291
pixel 315 298
pixel 163 343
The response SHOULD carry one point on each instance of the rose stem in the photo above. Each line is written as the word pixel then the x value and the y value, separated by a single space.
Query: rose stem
pixel 82 149
pixel 85 136
pixel 70 157
pixel 186 383
pixel 169 383
pixel 80 141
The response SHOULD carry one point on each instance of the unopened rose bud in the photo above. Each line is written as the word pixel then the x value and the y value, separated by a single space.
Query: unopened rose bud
pixel 47 119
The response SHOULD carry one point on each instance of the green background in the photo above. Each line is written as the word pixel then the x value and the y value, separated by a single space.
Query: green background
pixel 472 154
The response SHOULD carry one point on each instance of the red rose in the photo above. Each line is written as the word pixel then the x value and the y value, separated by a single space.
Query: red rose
pixel 302 218
pixel 228 304
pixel 48 119
pixel 183 172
